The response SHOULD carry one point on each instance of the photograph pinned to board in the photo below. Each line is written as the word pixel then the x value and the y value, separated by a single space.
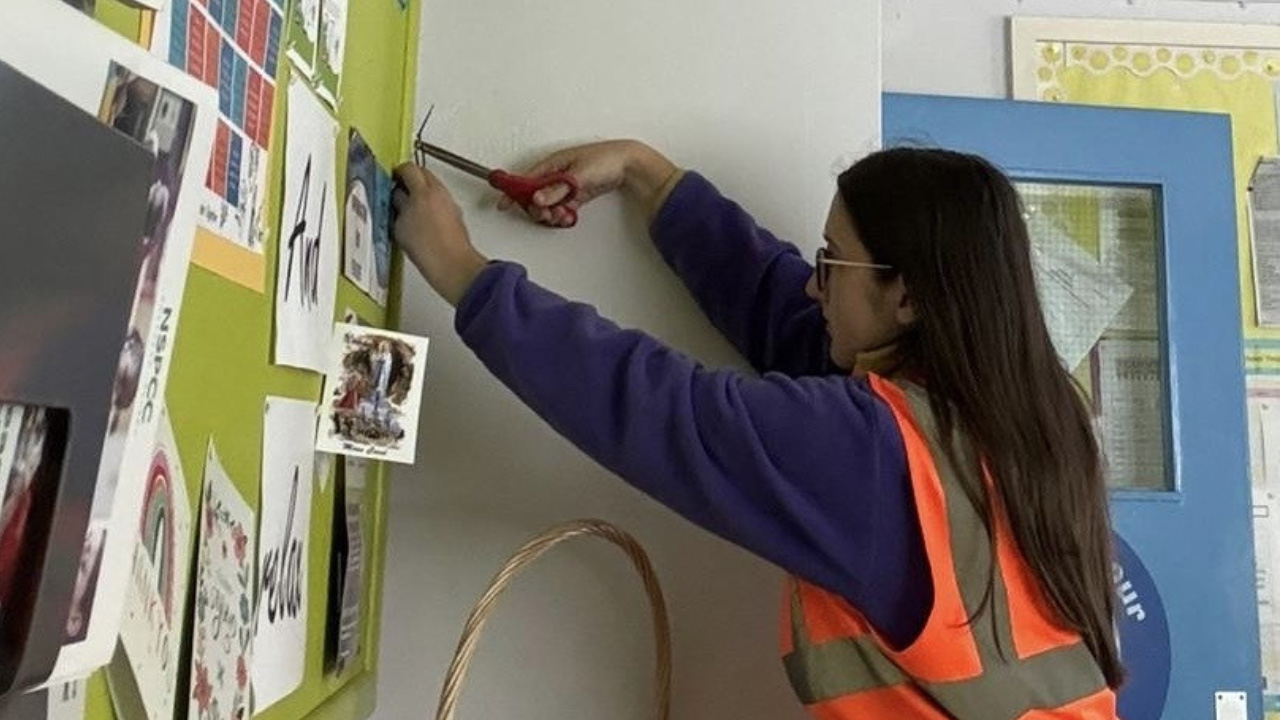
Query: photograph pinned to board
pixel 366 205
pixel 332 49
pixel 307 258
pixel 222 625
pixel 288 476
pixel 155 607
pixel 346 566
pixel 303 38
pixel 235 49
pixel 373 394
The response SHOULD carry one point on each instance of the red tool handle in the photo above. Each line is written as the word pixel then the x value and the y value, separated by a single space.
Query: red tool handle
pixel 522 189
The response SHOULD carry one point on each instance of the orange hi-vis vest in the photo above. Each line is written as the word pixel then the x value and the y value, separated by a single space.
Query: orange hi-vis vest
pixel 1014 661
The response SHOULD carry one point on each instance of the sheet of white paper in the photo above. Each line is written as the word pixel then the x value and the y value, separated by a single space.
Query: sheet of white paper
pixel 1264 449
pixel 79 67
pixel 222 628
pixel 66 701
pixel 1264 225
pixel 1129 392
pixel 1080 297
pixel 288 469
pixel 307 257
pixel 373 393
pixel 155 607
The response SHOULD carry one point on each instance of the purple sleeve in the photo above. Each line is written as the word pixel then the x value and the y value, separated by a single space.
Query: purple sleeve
pixel 808 473
pixel 748 282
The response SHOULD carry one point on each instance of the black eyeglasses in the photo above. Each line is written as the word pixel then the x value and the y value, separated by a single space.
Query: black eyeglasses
pixel 822 262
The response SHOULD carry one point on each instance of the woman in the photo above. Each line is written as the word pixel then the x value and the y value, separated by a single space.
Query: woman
pixel 914 455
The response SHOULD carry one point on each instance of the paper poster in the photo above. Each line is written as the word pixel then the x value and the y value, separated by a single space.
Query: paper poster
pixel 358 264
pixel 66 701
pixel 1264 471
pixel 232 46
pixel 332 49
pixel 288 471
pixel 222 626
pixel 307 259
pixel 155 607
pixel 174 115
pixel 304 35
pixel 1128 391
pixel 1079 296
pixel 1264 226
pixel 373 392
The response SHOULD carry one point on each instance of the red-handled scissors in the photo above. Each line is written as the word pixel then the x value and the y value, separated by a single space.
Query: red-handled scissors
pixel 519 188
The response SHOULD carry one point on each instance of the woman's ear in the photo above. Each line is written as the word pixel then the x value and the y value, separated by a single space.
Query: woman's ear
pixel 905 311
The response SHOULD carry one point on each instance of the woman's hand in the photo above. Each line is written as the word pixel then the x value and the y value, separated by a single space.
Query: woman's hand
pixel 599 169
pixel 430 230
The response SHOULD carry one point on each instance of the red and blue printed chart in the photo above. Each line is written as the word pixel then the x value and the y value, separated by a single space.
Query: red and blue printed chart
pixel 234 47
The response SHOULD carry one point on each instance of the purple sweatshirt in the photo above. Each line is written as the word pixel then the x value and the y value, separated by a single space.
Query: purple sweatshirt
pixel 803 465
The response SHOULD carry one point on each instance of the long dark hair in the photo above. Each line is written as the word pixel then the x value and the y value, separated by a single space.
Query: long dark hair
pixel 951 224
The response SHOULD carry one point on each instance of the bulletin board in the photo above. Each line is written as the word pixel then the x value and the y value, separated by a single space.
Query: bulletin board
pixel 222 369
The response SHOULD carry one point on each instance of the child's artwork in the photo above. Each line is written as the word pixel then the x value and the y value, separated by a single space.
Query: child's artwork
pixel 288 469
pixel 307 257
pixel 155 607
pixel 304 34
pixel 332 49
pixel 362 193
pixel 222 632
pixel 233 47
pixel 381 235
pixel 372 395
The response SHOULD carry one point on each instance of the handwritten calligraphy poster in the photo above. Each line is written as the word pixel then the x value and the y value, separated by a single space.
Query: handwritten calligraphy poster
pixel 307 253
pixel 288 468
pixel 155 607
pixel 222 633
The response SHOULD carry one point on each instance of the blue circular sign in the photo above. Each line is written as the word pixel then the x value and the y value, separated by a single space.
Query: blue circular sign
pixel 1143 630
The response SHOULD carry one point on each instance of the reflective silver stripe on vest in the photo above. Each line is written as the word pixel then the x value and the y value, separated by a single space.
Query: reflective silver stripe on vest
pixel 1008 687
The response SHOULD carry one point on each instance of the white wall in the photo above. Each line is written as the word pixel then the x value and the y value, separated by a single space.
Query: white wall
pixel 752 92
pixel 767 98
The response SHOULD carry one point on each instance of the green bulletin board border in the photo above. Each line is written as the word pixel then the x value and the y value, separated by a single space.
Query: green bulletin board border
pixel 222 370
